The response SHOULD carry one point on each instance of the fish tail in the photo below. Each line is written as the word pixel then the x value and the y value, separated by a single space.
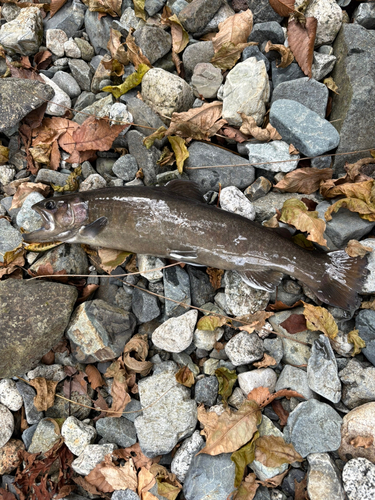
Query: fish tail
pixel 342 280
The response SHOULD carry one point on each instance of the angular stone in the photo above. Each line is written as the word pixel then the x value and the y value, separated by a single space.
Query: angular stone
pixel 33 318
pixel 67 257
pixel 202 154
pixel 147 264
pixel 295 379
pixel 323 64
pixel 59 103
pixel 233 200
pixel 6 425
pixel 9 395
pixel 28 393
pixel 144 115
pixel 329 17
pixel 206 80
pixel 359 384
pixel 71 49
pixel 177 287
pixel 168 417
pixel 303 128
pixel 262 11
pixel 185 454
pixel 198 13
pixel 27 218
pixel 246 90
pixel 146 158
pixel 358 425
pixel 98 30
pixel 244 348
pixel 205 339
pixel 201 288
pixel 145 306
pixel 263 377
pixel 81 73
pixel 364 15
pixel 253 51
pixel 77 435
pixel 45 436
pixel 241 298
pixel 354 48
pixel 221 15
pixel 306 91
pixel 117 430
pixel 91 456
pixel 55 40
pixel 176 334
pixel 324 478
pixel 68 18
pixel 19 97
pixel 280 75
pixel 154 42
pixel 270 30
pixel 87 51
pixel 358 477
pixel 365 324
pixel 10 238
pixel 24 34
pixel 273 156
pixel 206 390
pixel 98 331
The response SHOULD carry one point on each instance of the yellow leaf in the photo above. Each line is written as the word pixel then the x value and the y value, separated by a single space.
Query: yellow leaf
pixel 355 339
pixel 331 84
pixel 301 240
pixel 369 304
pixel 180 151
pixel 71 182
pixel 157 135
pixel 273 451
pixel 139 9
pixel 319 318
pixel 228 54
pixel 242 458
pixel 130 82
pixel 295 212
pixel 4 155
pixel 210 323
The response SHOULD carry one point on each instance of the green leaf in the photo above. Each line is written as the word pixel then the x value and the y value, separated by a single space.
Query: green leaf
pixel 226 378
pixel 157 135
pixel 242 458
pixel 130 82
pixel 180 151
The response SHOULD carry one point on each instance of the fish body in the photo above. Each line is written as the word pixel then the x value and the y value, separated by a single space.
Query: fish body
pixel 173 222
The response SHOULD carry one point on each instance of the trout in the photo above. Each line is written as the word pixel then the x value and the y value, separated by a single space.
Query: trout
pixel 174 222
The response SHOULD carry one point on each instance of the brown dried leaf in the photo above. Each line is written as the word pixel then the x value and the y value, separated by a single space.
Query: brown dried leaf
pixel 110 258
pixel 119 390
pixel 4 154
pixel 280 412
pixel 135 354
pixel 319 318
pixel 329 83
pixel 96 134
pixel 369 304
pixel 300 489
pixel 249 127
pixel 274 481
pixel 235 29
pixel 273 451
pixel 97 479
pixel 121 477
pixel 146 481
pixel 229 431
pixel 272 223
pixel 180 37
pixel 301 38
pixel 45 393
pixel 355 249
pixel 56 6
pixel 295 323
pixel 234 133
pixel 255 321
pixel 293 150
pixel 282 7
pixel 94 376
pixel 135 53
pixel 304 180
pixel 215 277
pixel 362 441
pixel 247 489
pixel 43 59
pixel 90 488
pixel 286 54
pixel 265 362
pixel 185 376
pixel 111 7
pixel 140 460
pixel 116 48
pixel 263 397
pixel 228 54
pixel 357 341
pixel 25 189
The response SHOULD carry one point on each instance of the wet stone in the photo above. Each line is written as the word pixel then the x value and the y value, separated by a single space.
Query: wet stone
pixel 67 257
pixel 206 390
pixel 117 430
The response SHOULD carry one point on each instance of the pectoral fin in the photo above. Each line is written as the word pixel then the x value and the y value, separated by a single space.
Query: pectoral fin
pixel 264 280
pixel 92 230
pixel 186 256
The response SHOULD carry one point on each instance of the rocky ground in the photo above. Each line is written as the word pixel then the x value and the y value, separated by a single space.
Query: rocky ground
pixel 107 383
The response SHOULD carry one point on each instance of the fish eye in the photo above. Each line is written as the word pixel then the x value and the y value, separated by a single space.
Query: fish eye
pixel 50 205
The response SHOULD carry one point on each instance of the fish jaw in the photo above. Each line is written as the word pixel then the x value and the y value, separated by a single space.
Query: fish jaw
pixel 48 231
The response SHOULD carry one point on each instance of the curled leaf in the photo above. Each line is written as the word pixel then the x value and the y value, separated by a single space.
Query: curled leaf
pixel 286 54
pixel 329 82
pixel 180 150
pixel 185 376
pixel 180 37
pixel 130 82
pixel 235 29
pixel 247 489
pixel 94 376
pixel 111 7
pixel 228 54
pixel 139 9
pixel 319 318
pixel 265 362
pixel 155 136
pixel 210 323
pixel 355 339
pixel 249 127
pixel 282 7
pixel 226 378
pixel 110 258
pixel 45 393
pixel 135 354
pixel 263 397
pixel 304 180
pixel 355 249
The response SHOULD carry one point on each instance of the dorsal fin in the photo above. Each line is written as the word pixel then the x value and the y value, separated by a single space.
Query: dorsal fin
pixel 188 189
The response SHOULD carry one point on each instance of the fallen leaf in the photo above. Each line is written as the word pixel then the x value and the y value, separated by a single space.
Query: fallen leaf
pixel 180 150
pixel 83 483
pixel 166 158
pixel 97 479
pixel 300 489
pixel 226 378
pixel 129 83
pixel 355 249
pixel 369 304
pixel 140 460
pixel 55 6
pixel 180 37
pixel 301 39
pixel 235 29
pixel 96 134
pixel 111 7
pixel 25 189
pixel 282 7
pixel 135 53
pixel 121 477
pixel 280 412
pixel 295 323
pixel 178 64
pixel 286 54
pixel 272 223
pixel 168 486
pixel 215 276
pixel 301 240
pixel 319 318
pixel 210 323
pixel 94 376
pixel 146 481
pixel 273 451
pixel 249 127
pixel 357 341
pixel 360 198
pixel 71 183
pixel 119 390
pixel 243 457
pixel 263 397
pixel 116 48
pixel 295 212
pixel 157 135
pixel 45 393
pixel 329 82
pixel 293 150
pixel 135 354
pixel 139 9
pixel 43 59
pixel 185 376
pixel 274 481
pixel 235 134
pixel 254 322
pixel 265 362
pixel 231 430
pixel 4 155
pixel 228 54
pixel 110 258
pixel 304 180
pixel 247 488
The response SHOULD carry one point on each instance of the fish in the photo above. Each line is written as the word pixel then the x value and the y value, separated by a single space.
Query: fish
pixel 174 222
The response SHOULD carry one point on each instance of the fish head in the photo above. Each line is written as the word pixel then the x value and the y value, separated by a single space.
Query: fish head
pixel 62 217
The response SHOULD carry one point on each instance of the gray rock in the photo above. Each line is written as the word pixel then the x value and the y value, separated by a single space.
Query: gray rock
pixel 206 80
pixel 145 306
pixel 65 257
pixel 6 174
pixel 28 393
pixel 295 379
pixel 221 15
pixel 358 477
pixel 51 176
pixel 353 73
pixel 166 93
pixel 10 238
pixel 69 18
pixel 270 30
pixel 55 40
pixel 262 11
pixel 125 495
pixel 269 154
pixel 104 166
pixel 154 42
pixel 177 287
pixel 24 34
pixel 274 347
pixel 360 423
pixel 172 415
pixel 19 97
pixel 98 331
pixel 120 115
pixel 365 324
pixel 60 102
pixel 185 454
pixel 358 384
pixel 176 334
pixel 117 430
pixel 324 478
pixel 280 75
pixel 303 128
pixel 71 49
pixel 244 348
pixel 183 359
pixel 202 154
pixel 9 395
pixel 206 339
pixel 195 16
pixel 369 285
pixel 50 372
pixel 84 100
pixel 263 377
pixel 233 200
pixel 67 83
pixel 322 374
pixel 146 158
pixel 153 6
pixel 200 286
pixel 81 73
pixel 64 409
pixel 364 15
pixel 77 435
pixel 6 425
pixel 10 11
pixel 323 64
pixel 133 410
pixel 313 427
pixel 98 31
pixel 253 51
pixel 329 17
pixel 26 218
pixel 197 53
pixel 306 91
pixel 91 456
pixel 206 390
pixel 288 485
pixel 178 5
pixel 321 162
pixel 29 333
pixel 45 436
pixel 27 435
pixel 241 298
pixel 246 90
pixel 144 115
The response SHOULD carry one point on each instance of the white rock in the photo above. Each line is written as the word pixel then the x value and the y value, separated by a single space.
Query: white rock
pixel 322 65
pixel 55 40
pixel 24 34
pixel 93 181
pixel 176 334
pixel 271 152
pixel 246 90
pixel 206 339
pixel 26 218
pixel 7 174
pixel 71 49
pixel 241 298
pixel 184 455
pixel 91 456
pixel 6 425
pixel 329 16
pixel 148 262
pixel 9 395
pixel 369 285
pixel 59 103
pixel 120 115
pixel 358 477
pixel 77 435
pixel 233 200
pixel 264 377
pixel 244 348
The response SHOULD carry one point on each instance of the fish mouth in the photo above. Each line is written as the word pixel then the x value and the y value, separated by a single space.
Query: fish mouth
pixel 48 222
pixel 47 230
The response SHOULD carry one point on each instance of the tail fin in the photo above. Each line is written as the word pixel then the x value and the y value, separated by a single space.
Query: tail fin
pixel 342 280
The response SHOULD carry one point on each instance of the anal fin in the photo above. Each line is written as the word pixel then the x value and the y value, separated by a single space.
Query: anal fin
pixel 92 230
pixel 266 280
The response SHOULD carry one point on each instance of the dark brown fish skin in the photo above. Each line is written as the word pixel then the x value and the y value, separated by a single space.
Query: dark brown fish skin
pixel 159 222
